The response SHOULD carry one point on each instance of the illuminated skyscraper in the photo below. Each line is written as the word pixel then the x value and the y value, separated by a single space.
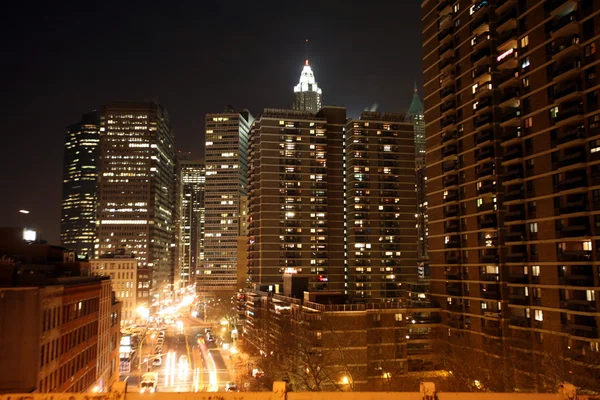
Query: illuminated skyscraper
pixel 137 185
pixel 80 175
pixel 191 238
pixel 417 117
pixel 308 96
pixel 226 180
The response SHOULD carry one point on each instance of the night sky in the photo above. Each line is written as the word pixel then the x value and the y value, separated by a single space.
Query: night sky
pixel 60 60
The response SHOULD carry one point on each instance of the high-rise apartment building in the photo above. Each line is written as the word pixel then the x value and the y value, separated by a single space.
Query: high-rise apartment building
pixel 191 176
pixel 308 96
pixel 512 118
pixel 417 117
pixel 226 161
pixel 295 199
pixel 380 212
pixel 80 185
pixel 136 186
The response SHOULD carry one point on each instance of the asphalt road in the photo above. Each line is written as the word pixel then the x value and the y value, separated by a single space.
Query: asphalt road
pixel 189 363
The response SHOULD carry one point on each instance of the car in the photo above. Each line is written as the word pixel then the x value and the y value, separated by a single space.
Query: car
pixel 158 350
pixel 160 340
pixel 230 387
pixel 161 334
pixel 157 361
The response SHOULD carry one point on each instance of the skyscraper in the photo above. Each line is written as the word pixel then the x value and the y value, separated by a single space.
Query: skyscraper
pixel 380 215
pixel 308 96
pixel 80 185
pixel 226 180
pixel 191 177
pixel 136 186
pixel 417 117
pixel 512 115
pixel 295 200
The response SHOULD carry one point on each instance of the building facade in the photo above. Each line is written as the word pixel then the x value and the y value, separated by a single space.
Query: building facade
pixel 380 214
pixel 511 123
pixel 416 115
pixel 226 159
pixel 333 346
pixel 308 96
pixel 191 176
pixel 137 186
pixel 123 272
pixel 80 185
pixel 295 199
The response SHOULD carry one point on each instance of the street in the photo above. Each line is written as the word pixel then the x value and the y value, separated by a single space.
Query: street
pixel 189 362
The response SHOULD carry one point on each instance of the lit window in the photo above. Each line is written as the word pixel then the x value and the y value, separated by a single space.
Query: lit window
pixel 533 228
pixel 594 146
pixel 590 49
pixel 535 270
pixel 525 63
pixel 528 122
pixel 456 7
pixel 590 295
pixel 524 42
pixel 587 245
pixel 539 315
pixel 554 112
pixel 525 82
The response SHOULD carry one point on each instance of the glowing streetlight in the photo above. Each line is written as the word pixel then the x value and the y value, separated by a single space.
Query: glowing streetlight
pixel 345 380
pixel 143 312
pixel 24 211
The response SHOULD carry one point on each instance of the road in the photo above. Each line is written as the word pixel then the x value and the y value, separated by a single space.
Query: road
pixel 189 363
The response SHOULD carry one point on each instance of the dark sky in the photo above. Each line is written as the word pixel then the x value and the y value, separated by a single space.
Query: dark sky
pixel 62 59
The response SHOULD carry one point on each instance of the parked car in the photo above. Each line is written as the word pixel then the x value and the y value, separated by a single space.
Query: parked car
pixel 157 361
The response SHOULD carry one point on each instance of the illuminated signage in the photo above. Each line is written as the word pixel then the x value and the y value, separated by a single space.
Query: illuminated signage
pixel 505 54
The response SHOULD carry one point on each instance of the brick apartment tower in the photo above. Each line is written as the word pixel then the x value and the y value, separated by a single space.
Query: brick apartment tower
pixel 512 125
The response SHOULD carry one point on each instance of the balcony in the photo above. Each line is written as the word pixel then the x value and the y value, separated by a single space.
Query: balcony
pixel 451 180
pixel 508 59
pixel 448 121
pixel 574 206
pixel 583 330
pixel 575 255
pixel 451 211
pixel 568 116
pixel 480 55
pixel 573 182
pixel 510 133
pixel 445 35
pixel 481 41
pixel 484 136
pixel 518 278
pixel 451 196
pixel 513 152
pixel 510 96
pixel 490 257
pixel 491 291
pixel 482 154
pixel 486 170
pixel 509 78
pixel 448 105
pixel 568 91
pixel 514 194
pixel 446 64
pixel 488 221
pixel 446 79
pixel 558 6
pixel 513 172
pixel 449 150
pixel 454 290
pixel 519 298
pixel 483 120
pixel 570 135
pixel 519 320
pixel 449 165
pixel 481 70
pixel 581 277
pixel 444 7
pixel 452 226
pixel 483 88
pixel 447 91
pixel 567 70
pixel 564 47
pixel 515 213
pixel 452 259
pixel 515 236
pixel 453 242
pixel 487 187
pixel 573 157
pixel 507 21
pixel 577 230
pixel 565 26
pixel 511 117
pixel 503 5
pixel 480 25
pixel 446 21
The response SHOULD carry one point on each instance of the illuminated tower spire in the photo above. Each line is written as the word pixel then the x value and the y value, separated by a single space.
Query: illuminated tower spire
pixel 307 94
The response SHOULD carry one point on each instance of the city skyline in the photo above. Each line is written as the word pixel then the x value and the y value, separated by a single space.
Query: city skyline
pixel 185 90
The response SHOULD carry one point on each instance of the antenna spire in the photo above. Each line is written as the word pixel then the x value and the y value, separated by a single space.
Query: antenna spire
pixel 306 51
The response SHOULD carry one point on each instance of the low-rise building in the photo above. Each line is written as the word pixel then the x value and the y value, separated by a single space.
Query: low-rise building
pixel 124 273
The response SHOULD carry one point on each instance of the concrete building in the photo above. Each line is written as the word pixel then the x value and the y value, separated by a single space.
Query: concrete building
pixel 191 176
pixel 308 96
pixel 511 115
pixel 123 272
pixel 80 185
pixel 380 214
pixel 295 199
pixel 368 347
pixel 226 160
pixel 59 326
pixel 137 186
